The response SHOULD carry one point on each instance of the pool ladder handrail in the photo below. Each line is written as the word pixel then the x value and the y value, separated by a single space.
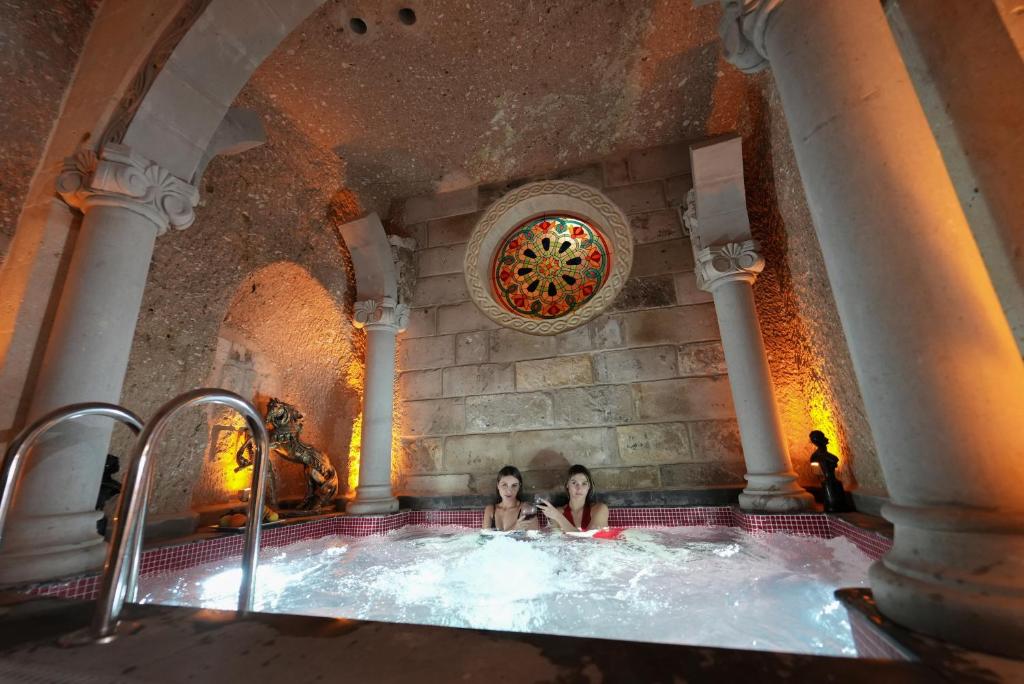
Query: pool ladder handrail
pixel 119 580
pixel 14 456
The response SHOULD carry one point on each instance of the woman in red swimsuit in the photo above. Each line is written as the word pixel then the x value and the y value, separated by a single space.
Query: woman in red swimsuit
pixel 583 512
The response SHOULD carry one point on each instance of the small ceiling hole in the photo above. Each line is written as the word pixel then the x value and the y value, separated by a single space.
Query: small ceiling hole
pixel 407 16
pixel 357 25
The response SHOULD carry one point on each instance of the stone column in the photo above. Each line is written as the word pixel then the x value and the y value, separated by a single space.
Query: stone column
pixel 383 319
pixel 940 374
pixel 127 202
pixel 728 273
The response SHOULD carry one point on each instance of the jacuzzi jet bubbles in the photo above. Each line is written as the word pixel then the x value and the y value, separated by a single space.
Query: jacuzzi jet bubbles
pixel 686 585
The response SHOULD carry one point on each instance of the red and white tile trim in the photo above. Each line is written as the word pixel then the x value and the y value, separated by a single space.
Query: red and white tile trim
pixel 189 554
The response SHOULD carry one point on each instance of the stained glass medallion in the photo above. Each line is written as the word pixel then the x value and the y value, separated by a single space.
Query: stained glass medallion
pixel 550 266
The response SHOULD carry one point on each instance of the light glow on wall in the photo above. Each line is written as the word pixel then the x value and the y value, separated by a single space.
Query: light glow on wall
pixel 399 464
pixel 806 404
pixel 353 455
pixel 230 434
pixel 822 417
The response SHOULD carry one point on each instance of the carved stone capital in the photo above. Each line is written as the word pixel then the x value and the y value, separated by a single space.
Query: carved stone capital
pixel 690 213
pixel 119 177
pixel 742 29
pixel 385 313
pixel 728 263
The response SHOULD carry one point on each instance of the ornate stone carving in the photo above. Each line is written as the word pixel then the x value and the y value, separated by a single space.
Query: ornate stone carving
pixel 742 29
pixel 689 215
pixel 119 177
pixel 151 67
pixel 727 263
pixel 371 313
pixel 529 200
pixel 403 254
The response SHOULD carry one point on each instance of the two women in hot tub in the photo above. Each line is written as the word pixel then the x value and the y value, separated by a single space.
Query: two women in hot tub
pixel 510 512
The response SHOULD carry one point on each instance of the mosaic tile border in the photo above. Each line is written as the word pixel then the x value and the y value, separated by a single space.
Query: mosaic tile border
pixel 192 553
pixel 871 642
pixel 871 543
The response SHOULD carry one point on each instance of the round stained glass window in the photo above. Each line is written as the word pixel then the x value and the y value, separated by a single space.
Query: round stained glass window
pixel 548 256
pixel 550 266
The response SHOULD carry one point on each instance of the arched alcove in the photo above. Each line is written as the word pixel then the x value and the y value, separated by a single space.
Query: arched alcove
pixel 283 336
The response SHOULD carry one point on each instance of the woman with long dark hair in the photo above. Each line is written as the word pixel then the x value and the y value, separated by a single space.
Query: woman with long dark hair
pixel 510 510
pixel 583 512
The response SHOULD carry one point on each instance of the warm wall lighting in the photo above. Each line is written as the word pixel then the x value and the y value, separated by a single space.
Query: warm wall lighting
pixel 399 466
pixel 353 455
pixel 822 417
pixel 232 435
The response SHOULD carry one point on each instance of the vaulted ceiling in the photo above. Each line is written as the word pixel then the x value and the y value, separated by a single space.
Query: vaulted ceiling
pixel 476 91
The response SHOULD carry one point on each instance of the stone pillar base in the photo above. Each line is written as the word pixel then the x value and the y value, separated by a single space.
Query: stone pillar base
pixel 50 547
pixel 954 574
pixel 775 493
pixel 776 502
pixel 381 506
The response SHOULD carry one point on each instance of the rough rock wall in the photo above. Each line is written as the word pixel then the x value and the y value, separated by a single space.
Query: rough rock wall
pixel 39 47
pixel 482 92
pixel 255 297
pixel 811 366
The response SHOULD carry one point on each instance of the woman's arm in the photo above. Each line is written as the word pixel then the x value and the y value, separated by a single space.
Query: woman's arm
pixel 488 522
pixel 555 517
pixel 598 516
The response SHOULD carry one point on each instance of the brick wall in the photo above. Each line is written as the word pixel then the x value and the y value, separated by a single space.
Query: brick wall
pixel 639 394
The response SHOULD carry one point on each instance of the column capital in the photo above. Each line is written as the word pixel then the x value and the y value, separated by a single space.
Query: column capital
pixel 727 263
pixel 119 177
pixel 742 29
pixel 381 313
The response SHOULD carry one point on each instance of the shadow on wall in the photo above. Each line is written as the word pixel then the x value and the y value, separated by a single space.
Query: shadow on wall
pixel 283 336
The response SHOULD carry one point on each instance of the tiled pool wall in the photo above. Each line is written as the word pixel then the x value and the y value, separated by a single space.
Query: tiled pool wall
pixel 872 642
pixel 199 551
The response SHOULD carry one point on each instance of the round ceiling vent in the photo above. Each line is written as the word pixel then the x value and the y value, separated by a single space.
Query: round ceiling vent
pixel 548 257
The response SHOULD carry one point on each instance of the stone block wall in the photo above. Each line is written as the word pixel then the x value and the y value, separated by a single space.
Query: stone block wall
pixel 639 395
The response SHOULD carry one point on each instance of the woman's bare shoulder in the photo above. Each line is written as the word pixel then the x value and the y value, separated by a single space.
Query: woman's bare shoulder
pixel 489 508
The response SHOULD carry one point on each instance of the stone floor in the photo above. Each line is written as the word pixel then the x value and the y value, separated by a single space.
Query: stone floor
pixel 167 644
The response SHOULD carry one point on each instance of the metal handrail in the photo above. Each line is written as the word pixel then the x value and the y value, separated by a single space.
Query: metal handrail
pixel 118 580
pixel 14 457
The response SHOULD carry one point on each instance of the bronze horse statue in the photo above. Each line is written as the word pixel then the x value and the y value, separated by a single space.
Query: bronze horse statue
pixel 285 425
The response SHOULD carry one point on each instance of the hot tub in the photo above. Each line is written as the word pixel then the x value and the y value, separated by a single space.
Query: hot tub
pixel 711 582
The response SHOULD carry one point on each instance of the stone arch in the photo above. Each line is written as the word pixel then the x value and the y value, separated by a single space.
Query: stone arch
pixel 175 122
pixel 283 336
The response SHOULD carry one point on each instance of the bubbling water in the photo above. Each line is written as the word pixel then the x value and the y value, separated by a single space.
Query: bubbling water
pixel 710 586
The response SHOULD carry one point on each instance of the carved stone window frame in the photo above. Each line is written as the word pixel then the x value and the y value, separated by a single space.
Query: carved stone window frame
pixel 539 199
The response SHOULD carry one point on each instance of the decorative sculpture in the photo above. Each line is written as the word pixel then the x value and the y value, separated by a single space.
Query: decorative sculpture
pixel 285 425
pixel 835 496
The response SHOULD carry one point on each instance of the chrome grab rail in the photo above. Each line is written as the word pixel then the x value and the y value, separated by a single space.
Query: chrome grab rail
pixel 119 580
pixel 14 457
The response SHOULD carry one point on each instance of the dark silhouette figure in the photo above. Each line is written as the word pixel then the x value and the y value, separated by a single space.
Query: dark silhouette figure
pixel 109 488
pixel 835 496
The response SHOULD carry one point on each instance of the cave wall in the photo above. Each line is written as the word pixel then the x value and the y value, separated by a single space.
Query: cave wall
pixel 255 297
